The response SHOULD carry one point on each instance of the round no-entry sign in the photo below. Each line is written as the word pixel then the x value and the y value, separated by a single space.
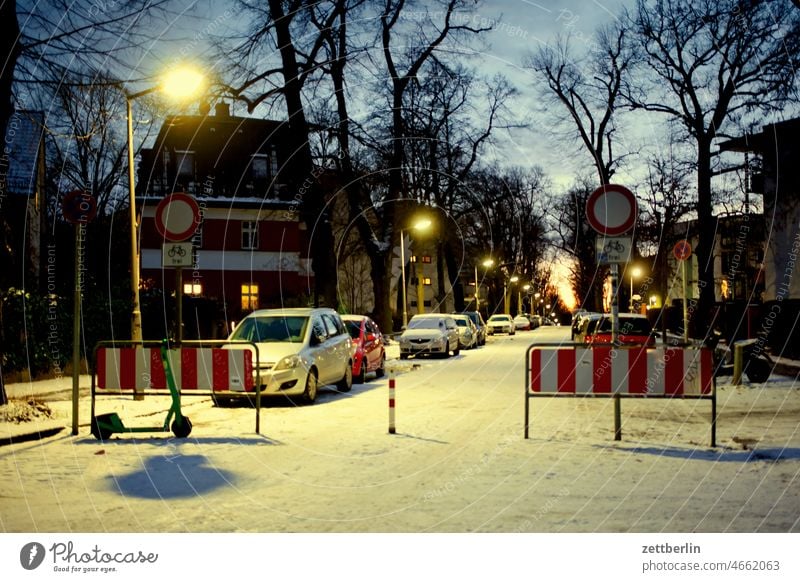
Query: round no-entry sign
pixel 682 250
pixel 611 210
pixel 177 216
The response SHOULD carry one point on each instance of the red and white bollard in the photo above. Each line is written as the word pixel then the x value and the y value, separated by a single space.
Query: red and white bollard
pixel 391 402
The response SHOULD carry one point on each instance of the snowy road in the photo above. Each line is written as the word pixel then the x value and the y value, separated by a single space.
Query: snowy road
pixel 459 462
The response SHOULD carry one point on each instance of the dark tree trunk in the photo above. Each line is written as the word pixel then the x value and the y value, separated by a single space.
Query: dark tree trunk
pixel 301 168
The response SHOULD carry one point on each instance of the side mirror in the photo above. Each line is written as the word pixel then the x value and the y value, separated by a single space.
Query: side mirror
pixel 315 339
pixel 370 337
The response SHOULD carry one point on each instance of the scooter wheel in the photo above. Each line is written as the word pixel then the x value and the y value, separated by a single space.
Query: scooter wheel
pixel 182 429
pixel 101 434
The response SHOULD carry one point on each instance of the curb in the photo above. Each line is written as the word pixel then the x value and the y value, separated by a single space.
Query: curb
pixel 31 436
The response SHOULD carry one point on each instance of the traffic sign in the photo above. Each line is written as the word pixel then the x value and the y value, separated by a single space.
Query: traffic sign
pixel 78 207
pixel 177 216
pixel 611 210
pixel 613 250
pixel 177 254
pixel 682 250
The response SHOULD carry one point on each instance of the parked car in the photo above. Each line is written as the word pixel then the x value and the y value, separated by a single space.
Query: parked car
pixel 480 325
pixel 586 326
pixel 500 323
pixel 522 323
pixel 369 351
pixel 299 350
pixel 430 333
pixel 577 321
pixel 467 332
pixel 634 329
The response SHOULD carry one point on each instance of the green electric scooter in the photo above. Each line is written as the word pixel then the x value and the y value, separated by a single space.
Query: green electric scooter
pixel 104 425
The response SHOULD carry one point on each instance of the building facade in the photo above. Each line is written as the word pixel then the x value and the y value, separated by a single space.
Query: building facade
pixel 250 248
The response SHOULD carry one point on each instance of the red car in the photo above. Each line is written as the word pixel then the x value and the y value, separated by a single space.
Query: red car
pixel 633 330
pixel 369 353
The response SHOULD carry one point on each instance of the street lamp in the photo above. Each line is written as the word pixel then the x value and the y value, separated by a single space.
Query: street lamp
pixel 506 297
pixel 420 225
pixel 635 272
pixel 487 264
pixel 181 84
pixel 525 288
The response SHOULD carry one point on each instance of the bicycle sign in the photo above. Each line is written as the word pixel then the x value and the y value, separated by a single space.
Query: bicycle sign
pixel 177 254
pixel 613 250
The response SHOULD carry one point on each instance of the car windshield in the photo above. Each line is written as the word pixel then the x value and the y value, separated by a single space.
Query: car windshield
pixel 272 328
pixel 425 323
pixel 354 327
pixel 499 318
pixel 462 322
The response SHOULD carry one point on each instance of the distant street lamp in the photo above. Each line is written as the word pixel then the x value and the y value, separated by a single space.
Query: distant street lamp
pixel 420 225
pixel 182 83
pixel 635 272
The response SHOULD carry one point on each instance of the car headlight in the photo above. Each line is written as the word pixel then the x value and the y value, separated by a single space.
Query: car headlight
pixel 288 363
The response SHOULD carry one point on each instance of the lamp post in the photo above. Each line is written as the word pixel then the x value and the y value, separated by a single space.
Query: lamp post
pixel 506 296
pixel 487 264
pixel 420 225
pixel 525 288
pixel 635 272
pixel 181 83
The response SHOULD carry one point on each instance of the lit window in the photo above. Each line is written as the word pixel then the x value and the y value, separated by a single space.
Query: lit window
pixel 249 234
pixel 426 280
pixel 413 258
pixel 194 289
pixel 426 259
pixel 249 296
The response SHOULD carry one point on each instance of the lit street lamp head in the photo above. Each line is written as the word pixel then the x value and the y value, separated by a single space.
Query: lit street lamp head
pixel 183 83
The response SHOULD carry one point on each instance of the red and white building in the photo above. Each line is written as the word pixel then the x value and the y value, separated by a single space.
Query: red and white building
pixel 250 250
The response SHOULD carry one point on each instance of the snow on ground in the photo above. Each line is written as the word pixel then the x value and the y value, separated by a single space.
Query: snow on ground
pixel 458 463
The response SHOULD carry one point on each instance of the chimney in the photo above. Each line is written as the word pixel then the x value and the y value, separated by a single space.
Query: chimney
pixel 222 110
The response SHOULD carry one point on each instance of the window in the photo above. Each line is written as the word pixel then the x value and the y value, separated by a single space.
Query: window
pixel 259 167
pixel 426 280
pixel 184 166
pixel 195 289
pixel 330 325
pixel 249 296
pixel 249 234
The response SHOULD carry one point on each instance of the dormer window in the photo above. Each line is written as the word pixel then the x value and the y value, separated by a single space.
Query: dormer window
pixel 184 166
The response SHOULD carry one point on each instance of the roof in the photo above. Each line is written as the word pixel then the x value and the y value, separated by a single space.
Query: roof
pixel 765 139
pixel 24 134
pixel 298 311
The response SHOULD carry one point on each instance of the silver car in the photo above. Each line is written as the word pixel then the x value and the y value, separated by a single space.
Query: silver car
pixel 299 350
pixel 430 333
pixel 501 323
pixel 467 332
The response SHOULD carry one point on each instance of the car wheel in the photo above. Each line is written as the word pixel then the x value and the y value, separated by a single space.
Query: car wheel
pixel 757 371
pixel 100 433
pixel 403 356
pixel 362 373
pixel 457 350
pixel 346 383
pixel 382 369
pixel 310 393
pixel 511 333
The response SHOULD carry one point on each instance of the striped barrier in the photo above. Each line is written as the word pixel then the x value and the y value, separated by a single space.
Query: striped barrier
pixel 140 368
pixel 199 368
pixel 619 372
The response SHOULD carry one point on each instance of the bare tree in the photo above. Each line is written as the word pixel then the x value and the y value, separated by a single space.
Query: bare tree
pixel 710 63
pixel 589 87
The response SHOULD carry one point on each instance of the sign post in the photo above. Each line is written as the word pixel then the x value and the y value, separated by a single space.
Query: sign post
pixel 177 219
pixel 611 211
pixel 78 208
pixel 682 251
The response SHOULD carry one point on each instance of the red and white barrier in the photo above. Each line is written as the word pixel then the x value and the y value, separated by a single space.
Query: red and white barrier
pixel 391 403
pixel 630 371
pixel 138 368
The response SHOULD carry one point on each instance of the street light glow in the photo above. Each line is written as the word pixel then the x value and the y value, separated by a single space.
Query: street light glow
pixel 183 83
pixel 514 279
pixel 488 263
